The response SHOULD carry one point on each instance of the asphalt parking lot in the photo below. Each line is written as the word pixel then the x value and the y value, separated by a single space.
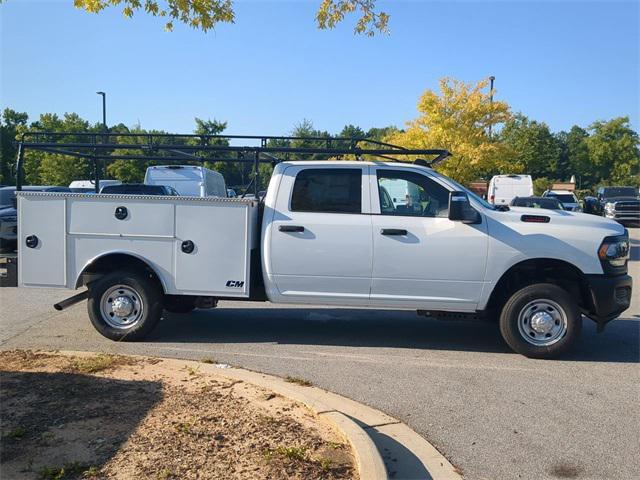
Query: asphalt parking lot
pixel 493 413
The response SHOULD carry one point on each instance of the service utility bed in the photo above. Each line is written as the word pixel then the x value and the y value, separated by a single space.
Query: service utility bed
pixel 63 233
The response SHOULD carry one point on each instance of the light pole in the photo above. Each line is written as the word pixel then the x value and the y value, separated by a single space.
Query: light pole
pixel 491 79
pixel 104 110
pixel 104 140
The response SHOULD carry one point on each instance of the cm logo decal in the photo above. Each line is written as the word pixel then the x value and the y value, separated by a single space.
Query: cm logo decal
pixel 235 283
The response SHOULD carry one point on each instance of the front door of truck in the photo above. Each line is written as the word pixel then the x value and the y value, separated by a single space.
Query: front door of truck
pixel 319 242
pixel 421 259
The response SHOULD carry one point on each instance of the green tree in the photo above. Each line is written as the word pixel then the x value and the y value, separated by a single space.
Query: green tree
pixel 206 14
pixel 55 169
pixel 380 133
pixel 613 151
pixel 577 157
pixel 533 146
pixel 10 122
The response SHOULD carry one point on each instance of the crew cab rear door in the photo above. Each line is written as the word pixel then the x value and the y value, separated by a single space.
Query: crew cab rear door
pixel 421 259
pixel 319 243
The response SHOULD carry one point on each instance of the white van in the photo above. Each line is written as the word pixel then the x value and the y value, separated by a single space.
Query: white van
pixel 188 180
pixel 78 186
pixel 504 188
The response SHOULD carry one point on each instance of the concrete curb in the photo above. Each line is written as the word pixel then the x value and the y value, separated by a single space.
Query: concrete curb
pixel 370 432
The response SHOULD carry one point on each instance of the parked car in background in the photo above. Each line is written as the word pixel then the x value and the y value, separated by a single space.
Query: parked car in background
pixel 188 180
pixel 619 203
pixel 139 189
pixel 549 203
pixel 504 188
pixel 9 214
pixel 568 199
pixel 89 186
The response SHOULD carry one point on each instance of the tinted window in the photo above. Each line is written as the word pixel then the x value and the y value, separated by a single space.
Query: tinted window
pixel 411 194
pixel 332 190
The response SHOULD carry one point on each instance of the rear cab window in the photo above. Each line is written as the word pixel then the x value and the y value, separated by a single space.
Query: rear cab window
pixel 327 190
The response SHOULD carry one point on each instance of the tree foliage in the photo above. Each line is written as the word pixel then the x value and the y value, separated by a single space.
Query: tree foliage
pixel 206 14
pixel 457 119
pixel 533 145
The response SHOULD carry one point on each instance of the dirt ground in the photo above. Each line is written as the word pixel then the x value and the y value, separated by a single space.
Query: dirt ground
pixel 112 417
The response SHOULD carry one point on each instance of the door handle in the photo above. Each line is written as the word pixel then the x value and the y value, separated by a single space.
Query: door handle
pixel 291 228
pixel 393 231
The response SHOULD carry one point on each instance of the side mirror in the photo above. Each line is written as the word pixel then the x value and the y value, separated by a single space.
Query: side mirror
pixel 461 210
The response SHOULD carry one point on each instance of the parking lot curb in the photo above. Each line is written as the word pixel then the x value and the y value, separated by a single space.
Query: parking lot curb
pixel 383 446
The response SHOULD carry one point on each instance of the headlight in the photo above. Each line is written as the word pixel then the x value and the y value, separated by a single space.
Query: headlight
pixel 615 251
pixel 610 207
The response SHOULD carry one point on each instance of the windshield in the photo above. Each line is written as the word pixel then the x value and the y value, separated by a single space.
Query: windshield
pixel 563 197
pixel 620 192
pixel 6 196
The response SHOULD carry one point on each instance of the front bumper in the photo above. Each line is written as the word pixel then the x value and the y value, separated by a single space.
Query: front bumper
pixel 609 295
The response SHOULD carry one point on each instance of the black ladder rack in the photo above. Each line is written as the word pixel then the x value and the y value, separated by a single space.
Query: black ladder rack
pixel 171 148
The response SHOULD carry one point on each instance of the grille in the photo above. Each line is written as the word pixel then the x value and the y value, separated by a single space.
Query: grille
pixel 628 207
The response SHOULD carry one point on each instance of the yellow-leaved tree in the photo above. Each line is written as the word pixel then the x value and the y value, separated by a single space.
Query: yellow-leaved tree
pixel 457 118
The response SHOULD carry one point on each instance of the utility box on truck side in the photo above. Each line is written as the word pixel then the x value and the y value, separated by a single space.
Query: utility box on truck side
pixel 195 246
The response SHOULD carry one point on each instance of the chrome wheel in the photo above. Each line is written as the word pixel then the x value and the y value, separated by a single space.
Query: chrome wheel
pixel 542 322
pixel 121 307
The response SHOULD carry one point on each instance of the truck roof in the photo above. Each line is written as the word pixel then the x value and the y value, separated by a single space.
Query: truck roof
pixel 356 163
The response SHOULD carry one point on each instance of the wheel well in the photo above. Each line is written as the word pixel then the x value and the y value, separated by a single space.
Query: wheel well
pixel 116 261
pixel 540 270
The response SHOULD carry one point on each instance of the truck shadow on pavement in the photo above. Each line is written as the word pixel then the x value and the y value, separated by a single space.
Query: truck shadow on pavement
pixel 53 421
pixel 377 328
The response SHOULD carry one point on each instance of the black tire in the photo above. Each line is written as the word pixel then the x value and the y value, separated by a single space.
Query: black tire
pixel 148 297
pixel 558 313
pixel 179 304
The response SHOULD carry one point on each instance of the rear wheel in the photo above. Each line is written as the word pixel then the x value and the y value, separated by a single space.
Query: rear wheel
pixel 541 321
pixel 125 305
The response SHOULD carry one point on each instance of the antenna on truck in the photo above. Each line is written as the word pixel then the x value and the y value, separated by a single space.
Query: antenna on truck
pixel 100 148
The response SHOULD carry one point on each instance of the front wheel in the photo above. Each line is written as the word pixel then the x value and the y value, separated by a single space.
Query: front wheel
pixel 541 321
pixel 124 305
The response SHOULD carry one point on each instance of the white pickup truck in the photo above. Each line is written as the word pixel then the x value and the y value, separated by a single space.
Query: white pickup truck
pixel 328 232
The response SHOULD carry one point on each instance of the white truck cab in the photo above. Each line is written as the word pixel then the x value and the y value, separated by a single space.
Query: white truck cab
pixel 331 233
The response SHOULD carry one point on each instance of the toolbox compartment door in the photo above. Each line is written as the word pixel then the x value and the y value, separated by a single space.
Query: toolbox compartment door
pixel 218 265
pixel 42 219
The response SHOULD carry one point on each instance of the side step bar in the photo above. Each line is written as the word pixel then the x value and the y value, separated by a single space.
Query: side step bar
pixel 71 300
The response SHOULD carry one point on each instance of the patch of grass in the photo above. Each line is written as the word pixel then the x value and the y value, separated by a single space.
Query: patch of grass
pixel 17 433
pixel 208 360
pixel 192 371
pixel 291 453
pixel 94 364
pixel 299 381
pixel 69 470
pixel 335 445
pixel 325 464
pixel 184 427
pixel 166 474
pixel 91 472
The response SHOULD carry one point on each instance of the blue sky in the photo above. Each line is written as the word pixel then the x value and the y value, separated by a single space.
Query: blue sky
pixel 561 62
